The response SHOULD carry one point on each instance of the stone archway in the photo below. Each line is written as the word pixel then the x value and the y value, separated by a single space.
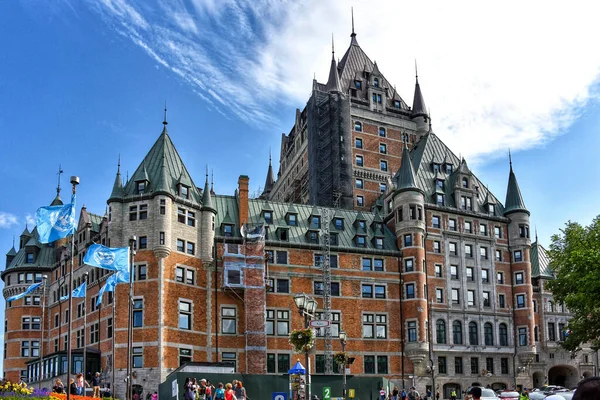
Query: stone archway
pixel 563 375
pixel 539 379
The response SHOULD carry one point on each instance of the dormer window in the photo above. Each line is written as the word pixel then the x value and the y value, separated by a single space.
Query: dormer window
pixel 361 241
pixel 227 230
pixel 333 239
pixel 378 226
pixel 378 242
pixel 491 209
pixel 396 103
pixel 440 199
pixel 362 225
pixel 315 221
pixel 313 237
pixel 465 182
pixel 184 191
pixel 338 223
pixel 30 258
pixel 436 167
pixel 382 187
pixel 357 126
pixel 440 183
pixel 268 215
pixel 292 219
pixel 376 98
pixel 448 168
pixel 376 82
pixel 140 187
pixel 283 234
pixel 358 84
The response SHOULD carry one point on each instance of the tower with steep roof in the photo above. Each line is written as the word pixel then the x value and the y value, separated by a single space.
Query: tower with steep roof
pixel 419 112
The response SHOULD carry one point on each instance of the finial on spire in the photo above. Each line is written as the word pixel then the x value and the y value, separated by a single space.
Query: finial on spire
pixel 212 180
pixel 536 237
pixel 416 71
pixel 14 240
pixel 332 48
pixel 352 11
pixel 60 171
pixel 269 155
pixel 509 159
pixel 165 123
pixel 206 173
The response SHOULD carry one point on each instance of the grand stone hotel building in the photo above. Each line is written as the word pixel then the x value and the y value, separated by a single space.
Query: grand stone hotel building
pixel 428 267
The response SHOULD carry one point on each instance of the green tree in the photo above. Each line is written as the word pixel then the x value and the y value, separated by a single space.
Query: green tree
pixel 575 259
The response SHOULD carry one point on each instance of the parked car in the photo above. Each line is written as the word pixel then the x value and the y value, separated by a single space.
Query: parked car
pixel 509 395
pixel 567 394
pixel 486 394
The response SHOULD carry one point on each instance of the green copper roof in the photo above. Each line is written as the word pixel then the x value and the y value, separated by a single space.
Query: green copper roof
pixel 514 200
pixel 26 232
pixel 46 255
pixel 405 179
pixel 540 263
pixel 95 220
pixel 57 201
pixel 163 169
pixel 207 202
pixel 117 191
pixel 12 252
pixel 227 208
pixel 418 107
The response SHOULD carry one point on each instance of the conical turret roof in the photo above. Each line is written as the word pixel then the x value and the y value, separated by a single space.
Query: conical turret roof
pixel 12 251
pixel 418 107
pixel 57 201
pixel 207 203
pixel 514 200
pixel 117 191
pixel 26 232
pixel 269 182
pixel 405 180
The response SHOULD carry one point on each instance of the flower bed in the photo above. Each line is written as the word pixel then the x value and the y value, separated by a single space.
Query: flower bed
pixel 15 391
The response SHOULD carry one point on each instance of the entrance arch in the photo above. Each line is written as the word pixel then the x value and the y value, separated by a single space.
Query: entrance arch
pixel 563 375
pixel 538 379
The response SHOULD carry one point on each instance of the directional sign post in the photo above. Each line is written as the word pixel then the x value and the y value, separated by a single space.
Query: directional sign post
pixel 326 393
pixel 319 323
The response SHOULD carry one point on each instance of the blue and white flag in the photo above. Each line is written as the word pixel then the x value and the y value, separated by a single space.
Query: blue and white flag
pixel 79 292
pixel 111 282
pixel 55 222
pixel 25 293
pixel 114 259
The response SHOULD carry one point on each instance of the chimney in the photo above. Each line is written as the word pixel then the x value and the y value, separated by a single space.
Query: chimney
pixel 243 198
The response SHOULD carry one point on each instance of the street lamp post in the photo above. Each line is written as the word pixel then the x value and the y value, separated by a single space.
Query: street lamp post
pixel 343 338
pixel 306 307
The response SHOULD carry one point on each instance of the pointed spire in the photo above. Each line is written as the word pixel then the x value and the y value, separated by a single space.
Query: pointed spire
pixel 514 200
pixel 207 203
pixel 269 182
pixel 57 200
pixel 117 191
pixel 418 107
pixel 406 175
pixel 165 123
pixel 333 82
pixel 353 34
pixel 26 231
pixel 212 182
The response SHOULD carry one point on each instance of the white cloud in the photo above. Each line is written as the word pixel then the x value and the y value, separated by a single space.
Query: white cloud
pixel 30 220
pixel 7 220
pixel 511 74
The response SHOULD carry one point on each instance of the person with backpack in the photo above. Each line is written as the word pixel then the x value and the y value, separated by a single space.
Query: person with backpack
pixel 413 394
pixel 403 394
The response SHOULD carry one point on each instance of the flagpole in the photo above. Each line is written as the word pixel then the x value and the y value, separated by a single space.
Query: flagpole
pixel 44 277
pixel 85 277
pixel 114 324
pixel 74 182
pixel 132 241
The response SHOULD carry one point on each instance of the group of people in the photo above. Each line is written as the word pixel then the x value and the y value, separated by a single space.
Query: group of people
pixel 78 384
pixel 412 394
pixel 204 390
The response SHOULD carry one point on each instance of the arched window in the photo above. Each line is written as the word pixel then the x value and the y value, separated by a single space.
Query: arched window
pixel 376 82
pixel 488 333
pixel 457 332
pixel 440 327
pixel 503 331
pixel 465 182
pixel 358 126
pixel 473 334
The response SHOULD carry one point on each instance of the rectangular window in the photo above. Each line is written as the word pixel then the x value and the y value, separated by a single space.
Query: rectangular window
pixel 359 183
pixel 180 245
pixel 439 295
pixel 412 331
pixel 520 301
pixel 360 201
pixel 504 366
pixel 367 291
pixel 378 264
pixel 133 213
pixel 437 247
pixel 143 211
pixel 489 364
pixel 140 273
pixel 95 333
pixel 435 221
pixel 452 248
pixel 283 363
pixel 483 229
pixel 483 252
pixel 485 276
pixel 410 291
pixel 458 365
pixel 522 336
pixel 375 326
pixel 470 297
pixel 470 274
pixel 369 364
pixel 474 366
pixel 380 292
pixel 551 332
pixel 138 357
pixel 498 255
pixel 335 324
pixel 409 265
pixel 228 320
pixel 468 228
pixel 452 224
pixel 185 315
pixel 278 322
pixel 442 367
pixel 109 328
pixel 382 364
pixel 282 257
pixel 468 250
pixel 229 358
pixel 455 298
pixel 143 242
pixel 500 278
pixel 501 301
pixel 407 240
pixel 519 278
pixel 358 143
pixel 454 271
pixel 497 232
pixel 518 256
pixel 138 313
pixel 486 299
pixel 438 271
pixel 359 161
pixel 367 264
pixel 383 165
pixel 382 148
pixel 191 248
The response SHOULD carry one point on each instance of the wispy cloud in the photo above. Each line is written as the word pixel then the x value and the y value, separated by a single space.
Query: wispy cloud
pixel 493 78
pixel 30 220
pixel 8 220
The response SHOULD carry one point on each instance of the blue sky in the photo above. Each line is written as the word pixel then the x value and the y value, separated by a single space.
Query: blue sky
pixel 84 81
